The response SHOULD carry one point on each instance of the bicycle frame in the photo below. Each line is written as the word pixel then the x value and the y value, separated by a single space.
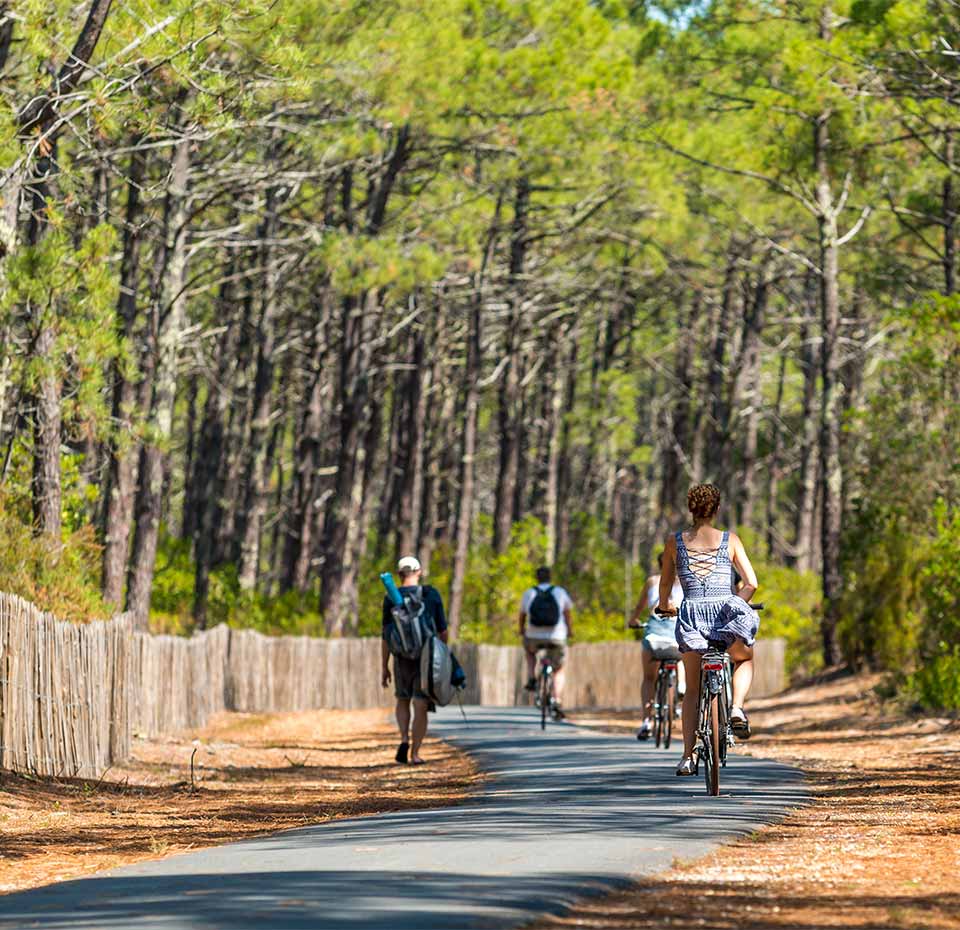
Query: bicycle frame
pixel 544 692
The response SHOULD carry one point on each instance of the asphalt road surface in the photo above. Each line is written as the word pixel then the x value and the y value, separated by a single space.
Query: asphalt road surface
pixel 566 813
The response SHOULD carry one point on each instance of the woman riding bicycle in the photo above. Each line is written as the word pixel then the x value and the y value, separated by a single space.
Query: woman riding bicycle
pixel 704 558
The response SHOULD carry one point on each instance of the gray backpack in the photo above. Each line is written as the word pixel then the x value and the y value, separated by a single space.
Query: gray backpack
pixel 436 671
pixel 410 628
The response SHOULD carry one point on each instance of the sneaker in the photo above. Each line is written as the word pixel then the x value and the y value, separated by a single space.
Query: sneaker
pixel 402 750
pixel 739 723
pixel 686 767
pixel 645 730
pixel 558 713
pixel 531 685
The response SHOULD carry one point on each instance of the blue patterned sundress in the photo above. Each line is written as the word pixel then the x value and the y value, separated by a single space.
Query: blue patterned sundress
pixel 710 610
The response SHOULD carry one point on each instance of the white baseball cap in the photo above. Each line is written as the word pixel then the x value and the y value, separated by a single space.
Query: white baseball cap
pixel 409 563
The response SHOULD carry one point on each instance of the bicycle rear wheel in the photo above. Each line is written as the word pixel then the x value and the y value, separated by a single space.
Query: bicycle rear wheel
pixel 544 699
pixel 667 708
pixel 711 770
pixel 724 732
pixel 658 721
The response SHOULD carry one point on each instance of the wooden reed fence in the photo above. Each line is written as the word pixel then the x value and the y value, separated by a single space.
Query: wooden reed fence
pixel 65 695
pixel 179 683
pixel 73 695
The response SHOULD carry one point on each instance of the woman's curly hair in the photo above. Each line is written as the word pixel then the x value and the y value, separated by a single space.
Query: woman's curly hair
pixel 703 500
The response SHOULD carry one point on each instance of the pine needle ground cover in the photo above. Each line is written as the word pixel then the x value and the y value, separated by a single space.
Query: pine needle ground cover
pixel 252 774
pixel 877 848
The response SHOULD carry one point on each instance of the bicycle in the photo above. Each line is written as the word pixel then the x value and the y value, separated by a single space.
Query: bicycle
pixel 544 690
pixel 665 702
pixel 714 730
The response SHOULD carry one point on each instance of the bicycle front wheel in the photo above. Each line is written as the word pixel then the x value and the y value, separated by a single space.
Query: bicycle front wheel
pixel 711 768
pixel 544 700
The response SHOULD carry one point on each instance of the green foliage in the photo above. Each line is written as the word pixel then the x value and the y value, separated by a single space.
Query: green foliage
pixel 72 289
pixel 791 602
pixel 494 584
pixel 936 684
pixel 900 549
pixel 880 614
pixel 172 599
pixel 63 579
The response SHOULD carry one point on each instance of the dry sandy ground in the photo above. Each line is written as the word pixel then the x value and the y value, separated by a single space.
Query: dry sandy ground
pixel 252 774
pixel 877 848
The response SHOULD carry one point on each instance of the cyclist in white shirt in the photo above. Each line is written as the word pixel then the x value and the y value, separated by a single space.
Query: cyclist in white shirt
pixel 659 642
pixel 546 622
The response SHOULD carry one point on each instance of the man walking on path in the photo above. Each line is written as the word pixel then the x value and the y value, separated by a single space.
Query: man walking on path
pixel 406 672
pixel 546 622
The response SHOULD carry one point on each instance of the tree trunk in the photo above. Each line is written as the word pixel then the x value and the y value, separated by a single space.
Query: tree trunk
pixel 676 465
pixel 806 542
pixel 467 468
pixel 306 493
pixel 46 442
pixel 949 220
pixel 509 395
pixel 437 488
pixel 46 486
pixel 37 120
pixel 232 452
pixel 774 468
pixel 346 514
pixel 717 432
pixel 204 491
pixel 167 324
pixel 554 422
pixel 746 389
pixel 338 592
pixel 411 443
pixel 565 470
pixel 471 405
pixel 122 452
pixel 255 479
pixel 831 408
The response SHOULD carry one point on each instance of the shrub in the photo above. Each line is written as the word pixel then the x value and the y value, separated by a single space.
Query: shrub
pixel 171 602
pixel 936 683
pixel 63 579
pixel 791 602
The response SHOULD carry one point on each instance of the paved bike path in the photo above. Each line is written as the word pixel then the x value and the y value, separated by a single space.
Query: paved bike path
pixel 564 814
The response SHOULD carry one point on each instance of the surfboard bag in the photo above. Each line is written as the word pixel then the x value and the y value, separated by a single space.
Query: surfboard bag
pixel 440 673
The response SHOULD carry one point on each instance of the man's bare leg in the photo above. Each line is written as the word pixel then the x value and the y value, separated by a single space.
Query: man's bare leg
pixel 559 679
pixel 403 719
pixel 531 663
pixel 419 728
